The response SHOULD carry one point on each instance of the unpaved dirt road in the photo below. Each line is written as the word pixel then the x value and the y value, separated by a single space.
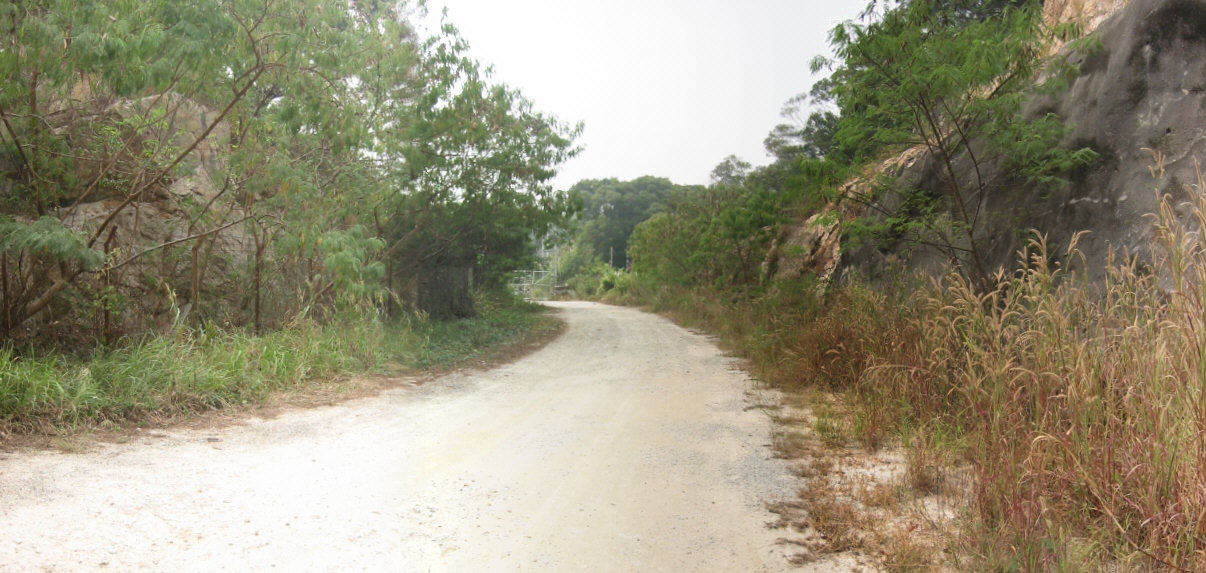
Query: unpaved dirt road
pixel 625 445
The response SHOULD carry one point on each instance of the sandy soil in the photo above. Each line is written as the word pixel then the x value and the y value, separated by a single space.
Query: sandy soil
pixel 626 444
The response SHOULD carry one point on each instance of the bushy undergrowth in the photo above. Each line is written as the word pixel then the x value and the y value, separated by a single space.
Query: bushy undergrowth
pixel 191 370
pixel 600 281
pixel 437 344
pixel 1080 408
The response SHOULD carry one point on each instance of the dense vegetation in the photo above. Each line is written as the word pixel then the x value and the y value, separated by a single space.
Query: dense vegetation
pixel 213 199
pixel 611 209
pixel 179 178
pixel 1073 409
pixel 245 162
pixel 948 78
pixel 191 370
pixel 607 210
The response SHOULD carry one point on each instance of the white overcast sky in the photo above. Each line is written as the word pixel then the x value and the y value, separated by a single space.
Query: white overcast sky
pixel 664 87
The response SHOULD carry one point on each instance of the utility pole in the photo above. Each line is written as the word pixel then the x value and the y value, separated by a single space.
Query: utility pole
pixel 611 258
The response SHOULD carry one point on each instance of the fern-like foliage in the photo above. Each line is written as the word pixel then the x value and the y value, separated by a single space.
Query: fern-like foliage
pixel 47 236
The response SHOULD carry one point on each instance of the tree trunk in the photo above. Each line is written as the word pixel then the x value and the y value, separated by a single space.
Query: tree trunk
pixel 196 278
pixel 259 258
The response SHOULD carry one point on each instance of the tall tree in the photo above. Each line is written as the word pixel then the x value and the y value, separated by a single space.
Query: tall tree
pixel 470 171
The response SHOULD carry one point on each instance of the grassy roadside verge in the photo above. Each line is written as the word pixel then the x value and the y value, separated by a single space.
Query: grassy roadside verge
pixel 1047 425
pixel 190 371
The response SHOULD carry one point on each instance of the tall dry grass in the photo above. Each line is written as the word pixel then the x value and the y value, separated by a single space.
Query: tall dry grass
pixel 1081 408
pixel 1084 406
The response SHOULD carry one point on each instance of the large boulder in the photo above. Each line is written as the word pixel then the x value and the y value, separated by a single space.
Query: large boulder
pixel 1140 93
pixel 160 126
pixel 168 212
pixel 180 122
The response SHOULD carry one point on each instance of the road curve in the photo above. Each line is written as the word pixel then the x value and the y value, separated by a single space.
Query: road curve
pixel 624 445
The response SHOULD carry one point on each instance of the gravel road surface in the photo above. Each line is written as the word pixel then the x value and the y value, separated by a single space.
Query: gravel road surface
pixel 627 444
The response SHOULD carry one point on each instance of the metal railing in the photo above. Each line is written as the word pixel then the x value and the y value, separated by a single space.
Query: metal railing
pixel 535 285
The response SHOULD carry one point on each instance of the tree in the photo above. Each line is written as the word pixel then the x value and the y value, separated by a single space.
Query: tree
pixel 731 171
pixel 714 236
pixel 97 106
pixel 469 171
pixel 806 138
pixel 950 76
pixel 162 156
pixel 610 209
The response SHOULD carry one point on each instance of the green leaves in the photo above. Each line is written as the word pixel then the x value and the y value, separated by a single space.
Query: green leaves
pixel 949 76
pixel 716 236
pixel 912 74
pixel 611 209
pixel 473 166
pixel 1035 152
pixel 349 256
pixel 46 237
pixel 302 143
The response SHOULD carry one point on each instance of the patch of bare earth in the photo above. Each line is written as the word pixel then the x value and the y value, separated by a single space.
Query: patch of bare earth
pixel 889 509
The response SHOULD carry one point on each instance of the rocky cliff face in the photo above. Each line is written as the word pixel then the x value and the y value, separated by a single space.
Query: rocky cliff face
pixel 1088 14
pixel 811 247
pixel 1140 93
pixel 164 212
pixel 188 201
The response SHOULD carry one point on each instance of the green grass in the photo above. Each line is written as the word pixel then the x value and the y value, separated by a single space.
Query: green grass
pixel 193 370
pixel 445 343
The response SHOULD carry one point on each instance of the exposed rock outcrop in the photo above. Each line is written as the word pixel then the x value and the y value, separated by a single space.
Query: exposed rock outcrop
pixel 1140 90
pixel 1088 14
pixel 186 202
pixel 811 247
pixel 167 210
